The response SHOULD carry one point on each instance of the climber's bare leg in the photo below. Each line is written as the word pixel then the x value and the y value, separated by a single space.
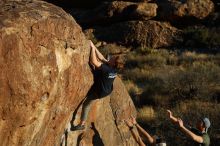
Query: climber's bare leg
pixel 91 98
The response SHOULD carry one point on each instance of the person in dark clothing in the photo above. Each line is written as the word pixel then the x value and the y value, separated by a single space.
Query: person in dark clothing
pixel 199 134
pixel 105 71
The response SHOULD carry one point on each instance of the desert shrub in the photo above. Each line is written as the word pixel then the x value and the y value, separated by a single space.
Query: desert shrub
pixel 154 92
pixel 155 58
pixel 137 75
pixel 190 57
pixel 172 60
pixel 198 78
pixel 186 82
pixel 144 50
pixel 191 75
pixel 134 91
pixel 202 37
pixel 156 100
pixel 145 114
pixel 131 87
pixel 195 82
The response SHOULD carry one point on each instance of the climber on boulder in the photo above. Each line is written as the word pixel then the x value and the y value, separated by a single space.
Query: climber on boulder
pixel 199 134
pixel 152 140
pixel 104 72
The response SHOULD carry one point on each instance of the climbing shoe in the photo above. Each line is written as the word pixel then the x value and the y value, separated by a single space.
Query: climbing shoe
pixel 78 127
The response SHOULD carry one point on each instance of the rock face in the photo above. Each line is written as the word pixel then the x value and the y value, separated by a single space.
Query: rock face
pixel 174 10
pixel 45 76
pixel 116 11
pixel 140 33
pixel 75 3
pixel 86 3
pixel 105 125
pixel 140 23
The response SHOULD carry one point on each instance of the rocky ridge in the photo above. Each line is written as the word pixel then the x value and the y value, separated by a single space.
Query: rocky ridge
pixel 173 14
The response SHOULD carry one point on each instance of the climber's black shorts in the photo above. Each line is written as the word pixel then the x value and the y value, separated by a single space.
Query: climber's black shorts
pixel 103 82
pixel 93 93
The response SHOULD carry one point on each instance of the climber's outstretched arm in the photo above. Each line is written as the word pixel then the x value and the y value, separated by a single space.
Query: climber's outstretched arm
pixel 172 118
pixel 189 133
pixel 93 57
pixel 143 132
pixel 137 138
pixel 98 54
pixel 134 133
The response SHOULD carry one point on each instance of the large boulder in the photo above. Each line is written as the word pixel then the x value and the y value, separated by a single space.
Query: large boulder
pixel 149 33
pixel 116 11
pixel 86 3
pixel 43 53
pixel 105 125
pixel 75 3
pixel 45 76
pixel 187 10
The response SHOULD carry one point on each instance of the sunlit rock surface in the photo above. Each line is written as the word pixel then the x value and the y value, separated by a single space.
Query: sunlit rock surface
pixel 44 77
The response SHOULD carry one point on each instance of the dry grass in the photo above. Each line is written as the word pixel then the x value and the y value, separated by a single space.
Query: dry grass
pixel 146 114
pixel 156 121
pixel 186 82
pixel 178 77
pixel 202 37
